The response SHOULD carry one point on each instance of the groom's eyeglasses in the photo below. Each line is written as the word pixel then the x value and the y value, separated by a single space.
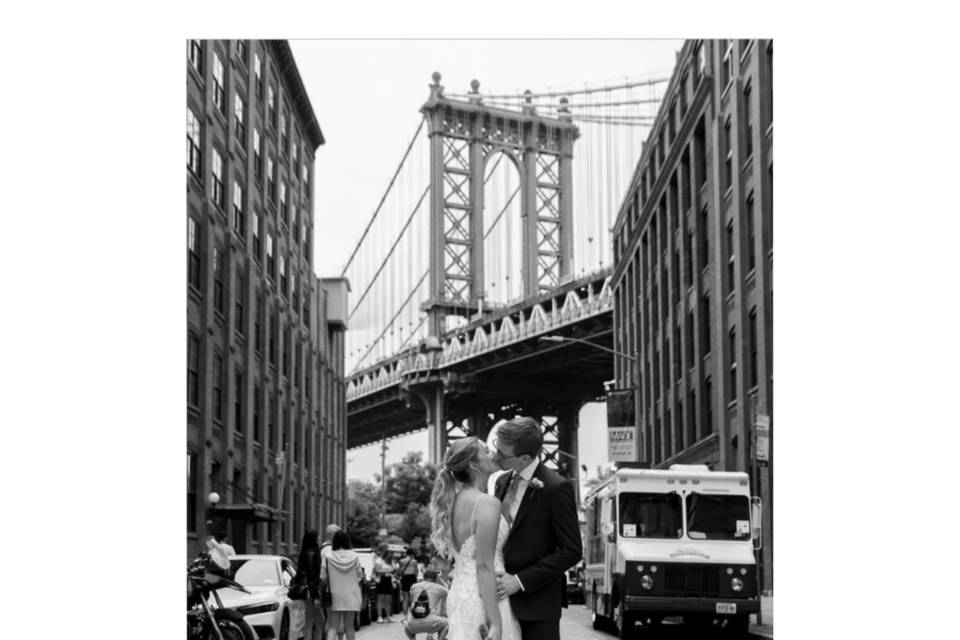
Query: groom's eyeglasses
pixel 500 455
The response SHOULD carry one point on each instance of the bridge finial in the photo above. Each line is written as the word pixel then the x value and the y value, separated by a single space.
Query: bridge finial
pixel 436 89
pixel 475 91
pixel 564 110
pixel 528 103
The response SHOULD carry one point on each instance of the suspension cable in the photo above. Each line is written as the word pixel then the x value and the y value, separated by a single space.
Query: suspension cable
pixel 390 324
pixel 383 199
pixel 389 253
pixel 552 94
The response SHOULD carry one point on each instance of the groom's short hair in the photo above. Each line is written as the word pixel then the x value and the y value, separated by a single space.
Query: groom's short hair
pixel 523 434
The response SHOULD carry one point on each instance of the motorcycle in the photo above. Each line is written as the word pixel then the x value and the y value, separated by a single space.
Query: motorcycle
pixel 212 623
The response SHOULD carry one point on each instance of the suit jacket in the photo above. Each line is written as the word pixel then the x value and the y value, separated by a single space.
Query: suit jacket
pixel 543 543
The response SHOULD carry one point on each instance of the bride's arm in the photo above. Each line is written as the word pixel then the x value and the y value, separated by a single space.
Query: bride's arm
pixel 488 523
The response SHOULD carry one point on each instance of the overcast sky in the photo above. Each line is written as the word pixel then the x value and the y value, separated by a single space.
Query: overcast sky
pixel 367 95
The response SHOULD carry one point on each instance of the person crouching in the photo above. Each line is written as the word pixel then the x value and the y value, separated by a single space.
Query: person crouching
pixel 427 608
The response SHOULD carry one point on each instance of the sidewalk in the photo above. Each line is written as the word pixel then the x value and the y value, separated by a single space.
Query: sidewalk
pixel 764 630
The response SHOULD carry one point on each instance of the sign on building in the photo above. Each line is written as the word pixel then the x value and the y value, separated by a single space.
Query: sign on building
pixel 622 437
pixel 761 430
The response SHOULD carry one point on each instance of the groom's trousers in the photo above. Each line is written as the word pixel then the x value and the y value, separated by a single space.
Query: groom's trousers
pixel 540 629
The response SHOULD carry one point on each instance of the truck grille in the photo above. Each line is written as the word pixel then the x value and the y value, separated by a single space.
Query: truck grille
pixel 696 580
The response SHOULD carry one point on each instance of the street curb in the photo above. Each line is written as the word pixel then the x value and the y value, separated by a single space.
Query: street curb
pixel 758 635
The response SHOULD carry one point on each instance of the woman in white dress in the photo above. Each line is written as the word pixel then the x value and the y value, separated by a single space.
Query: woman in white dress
pixel 468 527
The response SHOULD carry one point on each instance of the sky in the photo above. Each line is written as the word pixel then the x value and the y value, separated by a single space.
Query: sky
pixel 367 95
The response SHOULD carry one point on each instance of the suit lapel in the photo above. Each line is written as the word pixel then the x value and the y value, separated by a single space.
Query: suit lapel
pixel 526 502
pixel 502 484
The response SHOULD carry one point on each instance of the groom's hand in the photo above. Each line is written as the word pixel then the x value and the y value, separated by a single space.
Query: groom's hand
pixel 507 585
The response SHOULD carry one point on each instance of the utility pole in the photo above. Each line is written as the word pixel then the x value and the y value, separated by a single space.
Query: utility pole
pixel 383 485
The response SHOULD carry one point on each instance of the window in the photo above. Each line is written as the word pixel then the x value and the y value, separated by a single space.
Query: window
pixel 272 340
pixel 747 122
pixel 283 275
pixel 701 60
pixel 217 279
pixel 685 196
pixel 297 369
pixel 258 75
pixel 692 418
pixel 705 324
pixel 733 363
pixel 306 319
pixel 218 388
pixel 688 259
pixel 744 45
pixel 751 235
pixel 296 292
pixel 700 154
pixel 726 69
pixel 239 295
pixel 239 121
pixel 257 157
pixel 689 339
pixel 193 369
pixel 672 122
pixel 305 175
pixel 238 221
pixel 283 201
pixel 194 164
pixel 769 84
pixel 283 133
pixel 258 325
pixel 271 106
pixel 237 400
pixel 216 188
pixel 195 55
pixel 218 95
pixel 242 50
pixel 728 150
pixel 285 363
pixel 191 487
pixel 271 262
pixel 271 180
pixel 704 234
pixel 731 275
pixel 683 95
pixel 257 245
pixel 193 253
pixel 294 158
pixel 754 373
pixel 708 409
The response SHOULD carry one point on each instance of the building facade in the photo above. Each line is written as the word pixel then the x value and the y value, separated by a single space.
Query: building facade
pixel 266 405
pixel 694 262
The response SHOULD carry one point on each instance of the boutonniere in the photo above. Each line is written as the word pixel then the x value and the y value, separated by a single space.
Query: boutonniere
pixel 536 483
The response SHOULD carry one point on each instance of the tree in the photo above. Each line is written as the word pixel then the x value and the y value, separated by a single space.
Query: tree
pixel 416 523
pixel 410 480
pixel 363 513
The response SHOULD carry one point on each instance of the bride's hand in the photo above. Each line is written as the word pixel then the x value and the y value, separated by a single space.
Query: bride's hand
pixel 492 633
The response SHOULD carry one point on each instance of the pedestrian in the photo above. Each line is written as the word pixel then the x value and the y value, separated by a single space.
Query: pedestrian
pixel 221 537
pixel 409 571
pixel 442 566
pixel 435 622
pixel 342 572
pixel 219 560
pixel 308 570
pixel 327 545
pixel 383 575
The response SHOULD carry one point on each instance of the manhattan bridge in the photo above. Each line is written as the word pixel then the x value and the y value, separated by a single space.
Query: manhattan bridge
pixel 481 282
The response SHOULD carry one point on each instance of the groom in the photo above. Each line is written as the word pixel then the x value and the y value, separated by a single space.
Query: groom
pixel 544 539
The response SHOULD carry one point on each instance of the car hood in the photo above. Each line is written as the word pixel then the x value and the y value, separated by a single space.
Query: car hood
pixel 234 598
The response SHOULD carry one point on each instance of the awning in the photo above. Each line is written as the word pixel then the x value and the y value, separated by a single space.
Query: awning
pixel 246 511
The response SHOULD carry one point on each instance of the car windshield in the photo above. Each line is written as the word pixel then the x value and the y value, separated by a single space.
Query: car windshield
pixel 713 517
pixel 255 573
pixel 650 515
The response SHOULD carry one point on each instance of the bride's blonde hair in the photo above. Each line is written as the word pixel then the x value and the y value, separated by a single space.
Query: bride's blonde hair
pixel 455 468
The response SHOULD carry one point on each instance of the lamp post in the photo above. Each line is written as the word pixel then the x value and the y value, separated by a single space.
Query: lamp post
pixel 213 498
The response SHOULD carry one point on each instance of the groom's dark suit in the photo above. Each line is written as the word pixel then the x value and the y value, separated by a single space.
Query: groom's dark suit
pixel 544 542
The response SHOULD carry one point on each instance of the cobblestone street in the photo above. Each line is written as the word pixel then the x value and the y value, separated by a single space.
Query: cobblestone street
pixel 574 625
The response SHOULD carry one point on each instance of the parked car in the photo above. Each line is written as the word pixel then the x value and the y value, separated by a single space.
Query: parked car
pixel 267 609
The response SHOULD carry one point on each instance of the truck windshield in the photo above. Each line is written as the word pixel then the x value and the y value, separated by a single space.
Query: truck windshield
pixel 713 517
pixel 650 515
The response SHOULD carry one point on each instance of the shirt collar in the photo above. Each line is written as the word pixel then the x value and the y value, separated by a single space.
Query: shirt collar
pixel 527 472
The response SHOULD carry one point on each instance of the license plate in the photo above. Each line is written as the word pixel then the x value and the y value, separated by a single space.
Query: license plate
pixel 726 607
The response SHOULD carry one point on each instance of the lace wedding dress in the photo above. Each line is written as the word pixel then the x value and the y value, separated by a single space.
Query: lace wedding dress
pixel 464 606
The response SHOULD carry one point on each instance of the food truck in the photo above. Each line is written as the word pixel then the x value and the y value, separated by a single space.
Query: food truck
pixel 672 542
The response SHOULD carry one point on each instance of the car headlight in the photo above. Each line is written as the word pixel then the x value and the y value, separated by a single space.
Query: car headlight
pixel 736 584
pixel 252 609
pixel 646 582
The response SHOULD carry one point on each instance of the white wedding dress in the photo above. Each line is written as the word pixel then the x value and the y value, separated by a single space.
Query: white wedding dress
pixel 464 606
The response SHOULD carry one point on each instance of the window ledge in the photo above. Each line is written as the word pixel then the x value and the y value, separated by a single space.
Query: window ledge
pixel 732 405
pixel 726 90
pixel 730 297
pixel 196 181
pixel 748 163
pixel 751 276
pixel 196 75
pixel 728 192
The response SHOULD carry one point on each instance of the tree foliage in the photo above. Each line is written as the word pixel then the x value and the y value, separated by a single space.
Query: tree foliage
pixel 363 514
pixel 410 480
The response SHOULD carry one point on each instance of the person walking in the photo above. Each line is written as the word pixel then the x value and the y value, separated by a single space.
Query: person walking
pixel 341 570
pixel 409 572
pixel 383 575
pixel 327 546
pixel 308 564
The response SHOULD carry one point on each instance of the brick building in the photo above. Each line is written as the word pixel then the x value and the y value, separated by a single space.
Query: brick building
pixel 694 262
pixel 266 416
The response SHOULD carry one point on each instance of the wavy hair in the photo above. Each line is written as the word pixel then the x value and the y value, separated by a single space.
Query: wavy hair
pixel 455 468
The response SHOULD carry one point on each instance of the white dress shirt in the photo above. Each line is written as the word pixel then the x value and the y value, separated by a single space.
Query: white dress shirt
pixel 525 475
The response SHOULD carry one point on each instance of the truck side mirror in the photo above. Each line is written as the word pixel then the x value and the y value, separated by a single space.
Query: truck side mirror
pixel 756 515
pixel 608 531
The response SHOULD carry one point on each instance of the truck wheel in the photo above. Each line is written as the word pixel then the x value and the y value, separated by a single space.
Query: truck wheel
pixel 598 621
pixel 624 623
pixel 737 626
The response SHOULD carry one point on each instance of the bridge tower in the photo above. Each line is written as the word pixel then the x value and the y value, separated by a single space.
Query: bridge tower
pixel 463 137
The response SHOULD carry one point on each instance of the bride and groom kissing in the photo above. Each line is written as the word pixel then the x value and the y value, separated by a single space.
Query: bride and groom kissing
pixel 511 549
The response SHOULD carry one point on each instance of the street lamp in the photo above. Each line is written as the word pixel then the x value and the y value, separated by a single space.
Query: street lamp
pixel 212 499
pixel 592 344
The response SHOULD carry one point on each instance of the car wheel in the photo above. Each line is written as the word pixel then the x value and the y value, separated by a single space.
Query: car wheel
pixel 284 626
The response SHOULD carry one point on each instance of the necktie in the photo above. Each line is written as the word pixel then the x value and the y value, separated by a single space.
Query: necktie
pixel 511 498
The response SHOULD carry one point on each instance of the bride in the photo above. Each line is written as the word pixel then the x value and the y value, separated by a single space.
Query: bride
pixel 469 528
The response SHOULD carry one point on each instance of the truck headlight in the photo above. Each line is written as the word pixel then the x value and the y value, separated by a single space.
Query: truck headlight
pixel 736 584
pixel 646 582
